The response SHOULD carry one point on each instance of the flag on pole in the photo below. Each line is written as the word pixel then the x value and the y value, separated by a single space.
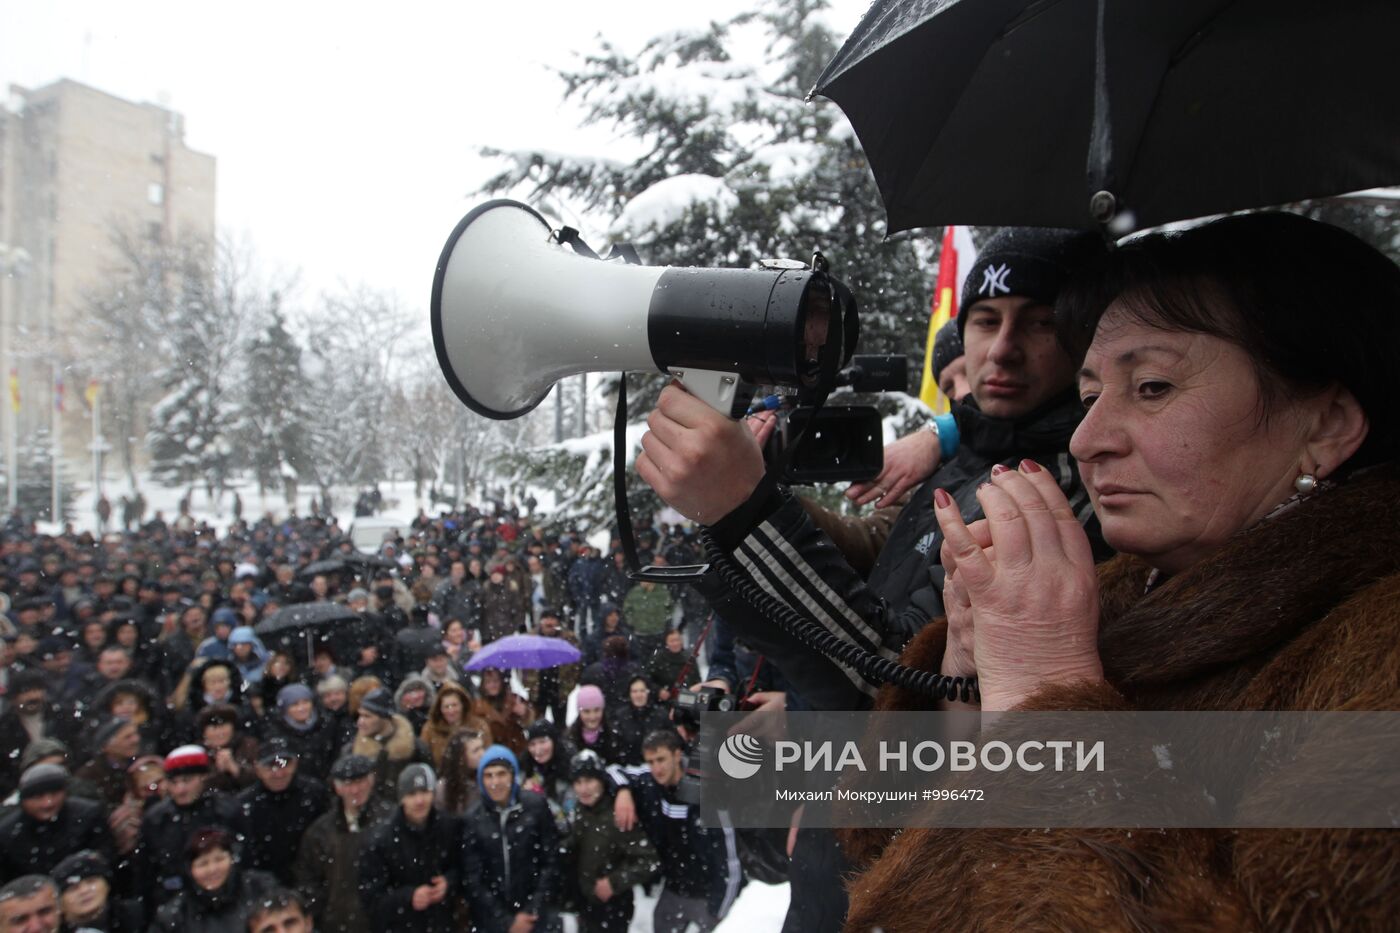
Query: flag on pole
pixel 14 389
pixel 93 388
pixel 956 258
pixel 58 394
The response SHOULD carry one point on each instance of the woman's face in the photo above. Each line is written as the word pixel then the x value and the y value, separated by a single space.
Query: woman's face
pixel 279 666
pixel 1172 448
pixel 125 705
pixel 591 718
pixel 492 683
pixel 242 651
pixel 455 633
pixel 211 869
pixel 541 749
pixel 638 693
pixel 451 708
pixel 218 735
pixel 300 711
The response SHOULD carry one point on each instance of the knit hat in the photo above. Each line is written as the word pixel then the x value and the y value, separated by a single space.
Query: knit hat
pixel 947 346
pixel 586 764
pixel 330 683
pixel 358 592
pixel 379 702
pixel 416 777
pixel 187 759
pixel 590 696
pixel 224 616
pixel 42 779
pixel 542 729
pixel 80 866
pixel 276 750
pixel 352 768
pixel 41 748
pixel 1028 262
pixel 293 693
pixel 107 731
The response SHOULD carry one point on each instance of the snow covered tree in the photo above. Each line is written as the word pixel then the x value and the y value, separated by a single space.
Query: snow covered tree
pixel 273 419
pixel 192 426
pixel 732 165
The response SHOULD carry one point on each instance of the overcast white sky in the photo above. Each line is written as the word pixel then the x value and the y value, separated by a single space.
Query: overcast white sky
pixel 346 133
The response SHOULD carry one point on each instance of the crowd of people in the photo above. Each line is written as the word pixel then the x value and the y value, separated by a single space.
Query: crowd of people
pixel 164 766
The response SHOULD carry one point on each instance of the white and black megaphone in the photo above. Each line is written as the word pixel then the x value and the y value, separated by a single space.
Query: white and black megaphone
pixel 514 310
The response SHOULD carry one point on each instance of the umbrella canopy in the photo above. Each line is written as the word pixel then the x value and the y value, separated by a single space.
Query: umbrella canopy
pixel 304 616
pixel 1069 113
pixel 524 651
pixel 333 565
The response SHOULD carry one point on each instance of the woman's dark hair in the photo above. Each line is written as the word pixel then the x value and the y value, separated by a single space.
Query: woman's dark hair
pixel 457 779
pixel 207 840
pixel 1309 303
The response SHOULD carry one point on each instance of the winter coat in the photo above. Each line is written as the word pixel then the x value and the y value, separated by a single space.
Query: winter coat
pixel 511 855
pixel 503 609
pixel 696 861
pixel 505 728
pixel 14 737
pixel 390 754
pixel 905 588
pixel 612 675
pixel 593 644
pixel 398 857
pixel 664 669
pixel 276 822
pixel 632 725
pixel 28 846
pixel 436 732
pixel 226 910
pixel 597 848
pixel 458 601
pixel 159 858
pixel 559 681
pixel 608 745
pixel 1301 612
pixel 648 610
pixel 326 863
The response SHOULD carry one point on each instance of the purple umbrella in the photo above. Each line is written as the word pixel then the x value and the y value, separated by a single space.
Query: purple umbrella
pixel 524 651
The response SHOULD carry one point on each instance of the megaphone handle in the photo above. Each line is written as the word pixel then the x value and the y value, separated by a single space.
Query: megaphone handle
pixel 726 393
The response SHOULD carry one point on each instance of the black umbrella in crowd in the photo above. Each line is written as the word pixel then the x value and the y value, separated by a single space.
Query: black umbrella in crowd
pixel 306 622
pixel 1069 113
pixel 334 565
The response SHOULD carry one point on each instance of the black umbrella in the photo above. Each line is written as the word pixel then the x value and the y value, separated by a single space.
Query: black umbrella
pixel 1069 112
pixel 333 565
pixel 308 622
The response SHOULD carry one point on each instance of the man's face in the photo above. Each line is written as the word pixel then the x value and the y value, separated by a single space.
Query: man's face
pixel 355 794
pixel 952 381
pixel 185 788
pixel 43 807
pixel 413 699
pixel 85 899
pixel 113 665
pixel 285 920
pixel 30 702
pixel 674 642
pixel 277 775
pixel 300 711
pixel 588 790
pixel 1014 362
pixel 193 620
pixel 125 744
pixel 367 723
pixel 37 913
pixel 417 806
pixel 549 626
pixel 498 780
pixel 58 662
pixel 333 700
pixel 459 571
pixel 665 765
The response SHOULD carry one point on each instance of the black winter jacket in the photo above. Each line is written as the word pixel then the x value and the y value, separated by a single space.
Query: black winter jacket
pixel 28 846
pixel 396 859
pixel 226 910
pixel 276 823
pixel 326 866
pixel 159 858
pixel 511 860
pixel 905 588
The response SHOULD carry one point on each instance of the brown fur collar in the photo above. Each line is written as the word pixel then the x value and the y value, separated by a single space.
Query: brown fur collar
pixel 1257 593
pixel 399 744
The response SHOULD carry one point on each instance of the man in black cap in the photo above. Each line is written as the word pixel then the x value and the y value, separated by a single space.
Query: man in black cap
pixel 279 808
pixel 116 741
pixel 49 825
pixel 326 859
pixel 31 716
pixel 84 881
pixel 159 860
pixel 411 865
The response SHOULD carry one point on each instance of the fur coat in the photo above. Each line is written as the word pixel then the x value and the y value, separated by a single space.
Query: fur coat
pixel 1301 612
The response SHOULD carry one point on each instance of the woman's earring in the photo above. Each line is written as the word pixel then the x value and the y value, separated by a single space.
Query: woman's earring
pixel 1305 483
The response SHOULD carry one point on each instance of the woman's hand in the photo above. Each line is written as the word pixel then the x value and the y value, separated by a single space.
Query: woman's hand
pixel 908 462
pixel 1033 594
pixel 701 463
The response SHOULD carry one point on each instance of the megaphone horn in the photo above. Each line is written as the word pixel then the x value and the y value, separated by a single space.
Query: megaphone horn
pixel 514 311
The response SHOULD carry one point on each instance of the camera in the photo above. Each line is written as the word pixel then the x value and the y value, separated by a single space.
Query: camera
pixel 689 704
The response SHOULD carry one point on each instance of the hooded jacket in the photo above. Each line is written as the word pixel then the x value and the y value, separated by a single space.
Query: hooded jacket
pixel 511 853
pixel 1300 612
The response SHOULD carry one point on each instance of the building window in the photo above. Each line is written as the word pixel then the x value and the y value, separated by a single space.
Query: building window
pixel 155 193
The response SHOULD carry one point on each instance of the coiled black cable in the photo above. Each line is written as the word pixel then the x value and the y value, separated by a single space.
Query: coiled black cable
pixel 814 636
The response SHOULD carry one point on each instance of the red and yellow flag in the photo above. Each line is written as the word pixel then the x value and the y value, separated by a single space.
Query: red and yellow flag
pixel 14 389
pixel 958 253
pixel 93 388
